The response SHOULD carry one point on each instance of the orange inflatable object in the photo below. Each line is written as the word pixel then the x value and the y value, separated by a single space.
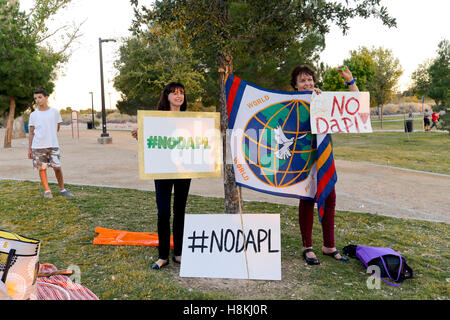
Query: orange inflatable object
pixel 127 238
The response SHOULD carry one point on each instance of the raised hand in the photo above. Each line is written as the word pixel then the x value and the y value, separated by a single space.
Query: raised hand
pixel 345 73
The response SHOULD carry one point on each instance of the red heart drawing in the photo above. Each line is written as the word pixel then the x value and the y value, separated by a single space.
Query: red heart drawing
pixel 364 116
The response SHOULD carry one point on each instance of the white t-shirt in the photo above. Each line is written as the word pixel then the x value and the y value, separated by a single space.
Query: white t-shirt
pixel 45 125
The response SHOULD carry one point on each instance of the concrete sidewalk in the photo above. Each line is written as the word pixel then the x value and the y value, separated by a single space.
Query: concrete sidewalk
pixel 361 187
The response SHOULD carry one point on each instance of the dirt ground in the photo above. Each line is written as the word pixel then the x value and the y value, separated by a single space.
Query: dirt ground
pixel 361 187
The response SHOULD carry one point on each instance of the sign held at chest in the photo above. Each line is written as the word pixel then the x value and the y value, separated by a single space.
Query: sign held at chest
pixel 340 112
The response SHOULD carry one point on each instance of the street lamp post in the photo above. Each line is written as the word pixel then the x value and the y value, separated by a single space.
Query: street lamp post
pixel 92 103
pixel 104 137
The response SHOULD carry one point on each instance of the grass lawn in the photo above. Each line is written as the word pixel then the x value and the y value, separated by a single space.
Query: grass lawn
pixel 398 124
pixel 425 151
pixel 66 228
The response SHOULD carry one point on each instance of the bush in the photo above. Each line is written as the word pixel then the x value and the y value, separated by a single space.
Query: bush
pixel 444 119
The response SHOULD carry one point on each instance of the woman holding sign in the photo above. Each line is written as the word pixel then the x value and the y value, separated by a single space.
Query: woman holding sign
pixel 303 79
pixel 172 99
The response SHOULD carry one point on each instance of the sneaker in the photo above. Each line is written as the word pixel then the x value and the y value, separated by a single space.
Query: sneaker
pixel 66 193
pixel 48 194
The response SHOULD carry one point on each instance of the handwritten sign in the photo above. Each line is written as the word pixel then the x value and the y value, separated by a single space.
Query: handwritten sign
pixel 178 145
pixel 340 112
pixel 216 246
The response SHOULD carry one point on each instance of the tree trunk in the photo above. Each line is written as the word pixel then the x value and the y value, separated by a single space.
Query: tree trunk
pixel 9 128
pixel 233 198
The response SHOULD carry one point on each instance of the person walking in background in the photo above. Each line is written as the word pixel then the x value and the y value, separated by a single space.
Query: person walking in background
pixel 426 120
pixel 44 124
pixel 172 99
pixel 434 119
pixel 303 79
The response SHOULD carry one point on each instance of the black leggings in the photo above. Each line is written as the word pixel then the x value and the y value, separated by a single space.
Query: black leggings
pixel 163 198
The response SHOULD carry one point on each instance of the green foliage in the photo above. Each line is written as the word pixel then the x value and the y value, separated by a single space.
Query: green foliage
pixel 432 78
pixel 444 117
pixel 263 39
pixel 146 65
pixel 332 81
pixel 387 72
pixel 273 70
pixel 268 70
pixel 362 66
pixel 376 69
pixel 39 16
pixel 421 79
pixel 439 72
pixel 24 66
pixel 444 121
pixel 259 26
pixel 21 106
pixel 67 110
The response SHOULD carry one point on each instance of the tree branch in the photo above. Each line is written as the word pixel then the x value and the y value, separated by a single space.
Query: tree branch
pixel 72 37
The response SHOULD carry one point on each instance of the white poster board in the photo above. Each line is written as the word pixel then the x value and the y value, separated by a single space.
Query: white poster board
pixel 178 145
pixel 340 112
pixel 213 246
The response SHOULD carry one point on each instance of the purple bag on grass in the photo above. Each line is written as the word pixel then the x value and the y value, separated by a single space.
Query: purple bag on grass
pixel 391 263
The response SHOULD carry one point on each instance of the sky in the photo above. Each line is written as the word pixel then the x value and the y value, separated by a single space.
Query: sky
pixel 421 25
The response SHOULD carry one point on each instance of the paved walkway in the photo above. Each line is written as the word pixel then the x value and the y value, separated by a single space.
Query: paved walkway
pixel 361 187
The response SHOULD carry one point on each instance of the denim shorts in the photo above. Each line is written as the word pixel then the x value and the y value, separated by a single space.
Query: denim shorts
pixel 46 157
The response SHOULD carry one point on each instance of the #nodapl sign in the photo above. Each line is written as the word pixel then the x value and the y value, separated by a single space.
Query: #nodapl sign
pixel 340 112
pixel 179 145
pixel 232 246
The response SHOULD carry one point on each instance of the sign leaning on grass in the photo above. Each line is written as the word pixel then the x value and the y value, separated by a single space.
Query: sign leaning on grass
pixel 224 246
pixel 179 145
pixel 340 112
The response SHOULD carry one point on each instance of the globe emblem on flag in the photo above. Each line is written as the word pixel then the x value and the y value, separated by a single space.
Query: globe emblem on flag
pixel 278 145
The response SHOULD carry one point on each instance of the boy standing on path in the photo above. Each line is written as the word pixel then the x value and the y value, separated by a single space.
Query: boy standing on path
pixel 43 148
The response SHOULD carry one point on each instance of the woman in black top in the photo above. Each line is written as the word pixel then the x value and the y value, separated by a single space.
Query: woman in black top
pixel 172 99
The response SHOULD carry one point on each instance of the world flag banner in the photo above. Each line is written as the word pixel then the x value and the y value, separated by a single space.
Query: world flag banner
pixel 272 147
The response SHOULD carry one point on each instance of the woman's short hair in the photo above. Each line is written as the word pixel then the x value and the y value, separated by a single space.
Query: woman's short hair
pixel 41 91
pixel 164 103
pixel 304 68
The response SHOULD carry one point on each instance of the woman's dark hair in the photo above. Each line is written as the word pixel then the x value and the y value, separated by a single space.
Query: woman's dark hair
pixel 41 91
pixel 304 68
pixel 164 103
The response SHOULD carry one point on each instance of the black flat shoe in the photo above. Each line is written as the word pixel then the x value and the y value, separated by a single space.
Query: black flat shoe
pixel 175 260
pixel 333 254
pixel 310 261
pixel 155 266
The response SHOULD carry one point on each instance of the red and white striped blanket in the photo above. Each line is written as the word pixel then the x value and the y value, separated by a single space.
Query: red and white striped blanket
pixel 58 287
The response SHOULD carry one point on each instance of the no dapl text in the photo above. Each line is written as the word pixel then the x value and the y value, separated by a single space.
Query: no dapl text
pixel 163 142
